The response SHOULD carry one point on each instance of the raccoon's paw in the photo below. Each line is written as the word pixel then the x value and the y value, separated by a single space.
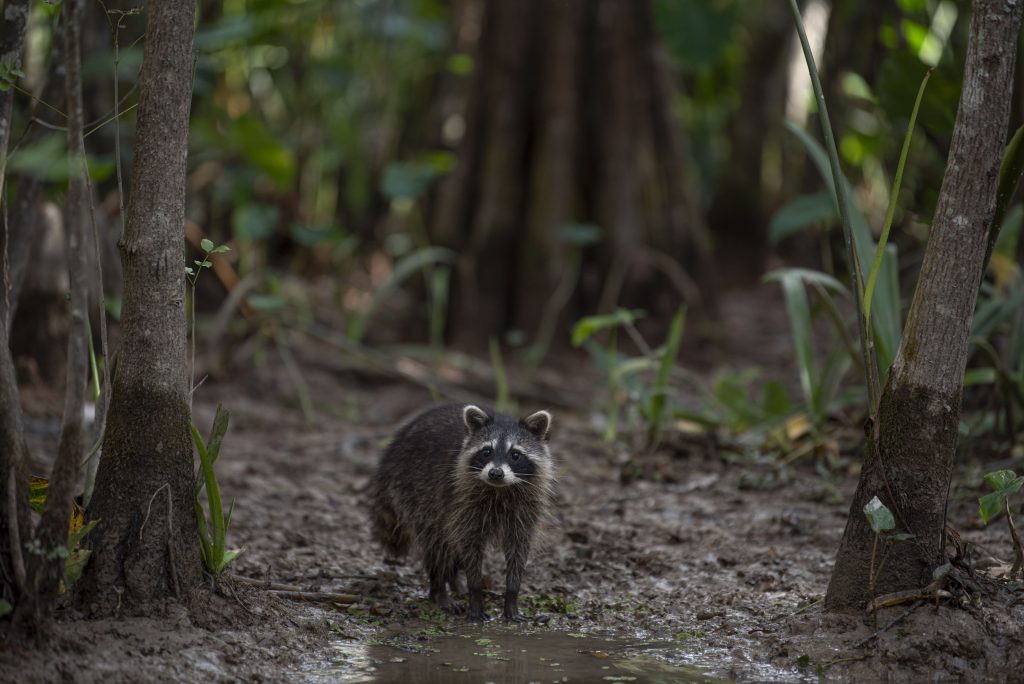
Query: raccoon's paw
pixel 513 617
pixel 477 615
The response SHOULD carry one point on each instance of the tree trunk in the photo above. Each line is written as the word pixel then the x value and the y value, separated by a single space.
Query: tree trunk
pixel 737 214
pixel 597 145
pixel 909 459
pixel 146 544
pixel 46 569
pixel 14 528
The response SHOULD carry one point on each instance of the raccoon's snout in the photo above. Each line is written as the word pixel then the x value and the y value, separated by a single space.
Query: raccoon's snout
pixel 497 475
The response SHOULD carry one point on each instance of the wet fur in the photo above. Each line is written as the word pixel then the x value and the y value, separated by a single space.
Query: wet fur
pixel 427 494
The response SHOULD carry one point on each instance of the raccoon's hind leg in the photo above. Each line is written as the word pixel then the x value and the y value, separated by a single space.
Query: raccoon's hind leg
pixel 388 529
pixel 441 569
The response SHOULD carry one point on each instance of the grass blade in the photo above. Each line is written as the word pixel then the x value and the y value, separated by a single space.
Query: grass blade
pixel 668 360
pixel 843 201
pixel 800 321
pixel 894 194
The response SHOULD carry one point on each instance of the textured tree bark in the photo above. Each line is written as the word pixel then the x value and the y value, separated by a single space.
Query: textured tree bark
pixel 145 546
pixel 46 569
pixel 909 458
pixel 14 518
pixel 597 145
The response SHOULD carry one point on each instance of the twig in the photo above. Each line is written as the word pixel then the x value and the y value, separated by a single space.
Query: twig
pixel 900 597
pixel 296 592
pixel 1018 550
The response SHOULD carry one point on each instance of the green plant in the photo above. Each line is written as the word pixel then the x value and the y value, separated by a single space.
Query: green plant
pixel 881 520
pixel 192 275
pixel 625 377
pixel 75 557
pixel 1005 483
pixel 213 530
pixel 820 385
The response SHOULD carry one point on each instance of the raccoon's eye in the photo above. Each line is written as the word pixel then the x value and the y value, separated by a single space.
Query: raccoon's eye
pixel 514 455
pixel 486 451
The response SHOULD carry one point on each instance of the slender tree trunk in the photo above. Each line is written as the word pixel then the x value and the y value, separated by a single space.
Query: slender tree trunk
pixel 46 569
pixel 14 527
pixel 909 459
pixel 145 546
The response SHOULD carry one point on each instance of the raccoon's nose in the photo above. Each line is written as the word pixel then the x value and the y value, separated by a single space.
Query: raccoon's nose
pixel 496 473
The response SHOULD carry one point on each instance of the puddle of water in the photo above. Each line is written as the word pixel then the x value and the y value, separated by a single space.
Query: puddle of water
pixel 506 658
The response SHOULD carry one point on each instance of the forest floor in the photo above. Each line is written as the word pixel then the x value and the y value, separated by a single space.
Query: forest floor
pixel 683 565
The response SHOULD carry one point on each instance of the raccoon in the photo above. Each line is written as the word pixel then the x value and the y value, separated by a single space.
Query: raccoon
pixel 457 479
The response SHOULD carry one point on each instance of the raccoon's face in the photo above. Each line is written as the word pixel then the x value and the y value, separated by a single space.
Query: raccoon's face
pixel 506 453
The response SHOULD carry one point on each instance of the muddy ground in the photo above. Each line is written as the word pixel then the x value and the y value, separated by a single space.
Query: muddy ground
pixel 712 565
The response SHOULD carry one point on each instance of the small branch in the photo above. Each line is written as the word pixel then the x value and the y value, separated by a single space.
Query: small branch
pixel 900 597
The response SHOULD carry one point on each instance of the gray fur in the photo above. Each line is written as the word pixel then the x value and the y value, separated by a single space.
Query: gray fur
pixel 430 492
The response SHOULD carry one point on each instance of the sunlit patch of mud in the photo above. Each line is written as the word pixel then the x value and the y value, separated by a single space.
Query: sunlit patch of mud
pixel 511 656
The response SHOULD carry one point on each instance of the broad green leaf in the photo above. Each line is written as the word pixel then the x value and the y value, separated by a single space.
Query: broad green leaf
pixel 74 565
pixel 775 401
pixel 879 516
pixel 588 326
pixel 1005 483
pixel 206 244
pixel 990 505
pixel 801 213
pixel 220 249
pixel 799 312
pixel 1003 479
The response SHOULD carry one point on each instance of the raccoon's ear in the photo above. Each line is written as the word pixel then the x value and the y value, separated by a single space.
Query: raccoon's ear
pixel 538 423
pixel 475 418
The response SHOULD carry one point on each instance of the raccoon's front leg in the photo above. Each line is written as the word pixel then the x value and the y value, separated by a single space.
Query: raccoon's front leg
pixel 474 561
pixel 517 550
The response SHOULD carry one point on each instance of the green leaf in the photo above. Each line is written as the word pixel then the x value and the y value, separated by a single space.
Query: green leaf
pixel 775 400
pixel 894 193
pixel 220 249
pixel 189 271
pixel 1005 483
pixel 1003 479
pixel 206 244
pixel 74 565
pixel 408 180
pixel 800 213
pixel 588 326
pixel 254 221
pixel 879 516
pixel 990 505
pixel 75 538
